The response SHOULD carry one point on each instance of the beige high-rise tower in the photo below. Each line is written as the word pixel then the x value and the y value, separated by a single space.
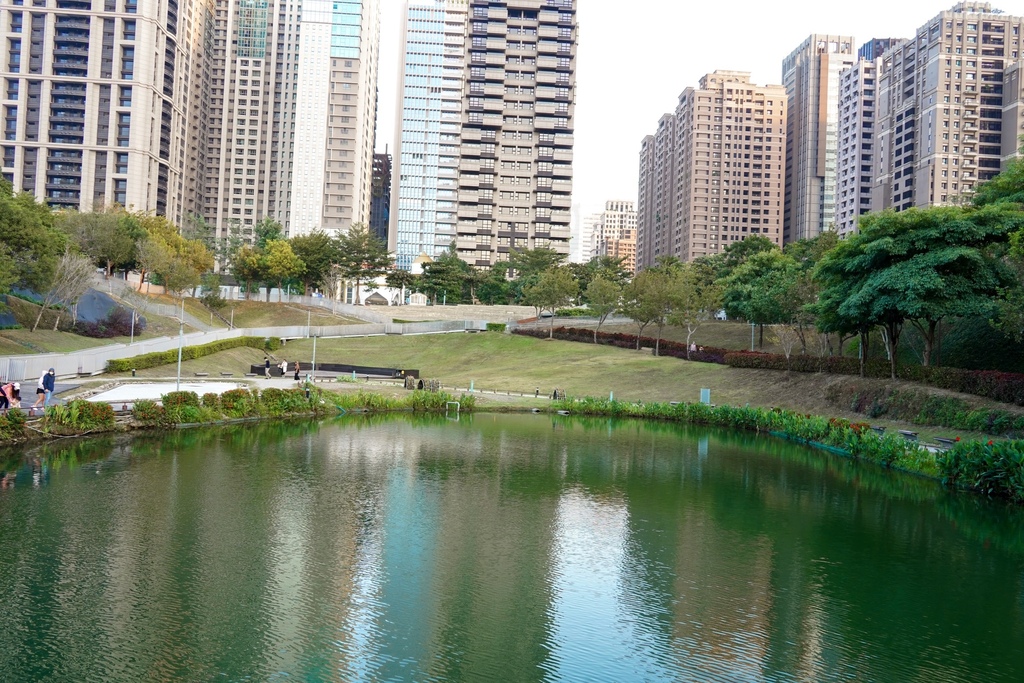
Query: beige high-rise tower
pixel 948 108
pixel 722 180
pixel 811 76
pixel 515 166
pixel 102 101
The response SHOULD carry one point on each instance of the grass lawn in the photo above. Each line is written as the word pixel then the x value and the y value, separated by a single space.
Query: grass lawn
pixel 273 314
pixel 233 360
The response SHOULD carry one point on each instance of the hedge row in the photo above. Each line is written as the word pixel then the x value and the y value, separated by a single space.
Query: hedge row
pixel 1004 387
pixel 708 354
pixel 186 407
pixel 152 360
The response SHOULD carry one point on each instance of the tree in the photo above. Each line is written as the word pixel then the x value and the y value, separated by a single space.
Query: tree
pixel 738 253
pixel 495 287
pixel 280 264
pixel 105 236
pixel 786 337
pixel 554 289
pixel 71 279
pixel 648 300
pixel 758 290
pixel 266 230
pixel 695 300
pixel 247 268
pixel 362 256
pixel 526 263
pixel 28 233
pixel 403 280
pixel 921 266
pixel 8 272
pixel 444 277
pixel 603 297
pixel 317 251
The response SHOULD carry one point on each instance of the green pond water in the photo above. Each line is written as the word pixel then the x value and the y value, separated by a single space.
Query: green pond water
pixel 496 548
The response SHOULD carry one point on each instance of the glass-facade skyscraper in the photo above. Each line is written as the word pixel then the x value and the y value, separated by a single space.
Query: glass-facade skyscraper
pixel 425 166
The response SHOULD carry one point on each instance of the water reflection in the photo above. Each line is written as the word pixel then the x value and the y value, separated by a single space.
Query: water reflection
pixel 498 547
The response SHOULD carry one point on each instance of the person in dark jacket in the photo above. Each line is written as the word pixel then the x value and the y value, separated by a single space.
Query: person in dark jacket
pixel 48 379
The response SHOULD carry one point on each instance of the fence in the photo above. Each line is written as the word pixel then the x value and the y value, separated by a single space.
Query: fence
pixel 92 361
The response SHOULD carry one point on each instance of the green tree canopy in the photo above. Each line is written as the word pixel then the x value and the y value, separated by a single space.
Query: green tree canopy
pixel 266 230
pixel 318 251
pixel 555 288
pixel 362 256
pixel 28 232
pixel 280 263
pixel 603 297
pixel 696 298
pixel 921 266
pixel 445 278
pixel 647 300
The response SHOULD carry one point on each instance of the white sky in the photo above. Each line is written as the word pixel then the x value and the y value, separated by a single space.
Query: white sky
pixel 636 57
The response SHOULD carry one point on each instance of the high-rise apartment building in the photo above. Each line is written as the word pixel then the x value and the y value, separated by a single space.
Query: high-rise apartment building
pixel 858 90
pixel 380 201
pixel 515 166
pixel 656 208
pixel 722 180
pixel 427 133
pixel 235 110
pixel 100 99
pixel 616 233
pixel 947 116
pixel 811 77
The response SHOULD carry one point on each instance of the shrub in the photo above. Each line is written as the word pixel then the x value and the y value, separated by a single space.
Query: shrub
pixel 573 313
pixel 496 327
pixel 12 425
pixel 709 354
pixel 79 415
pixel 152 360
pixel 117 323
pixel 211 401
pixel 149 413
pixel 277 402
pixel 176 399
pixel 240 403
pixel 993 468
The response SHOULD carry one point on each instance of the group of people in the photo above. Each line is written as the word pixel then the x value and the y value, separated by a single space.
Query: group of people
pixel 10 393
pixel 283 365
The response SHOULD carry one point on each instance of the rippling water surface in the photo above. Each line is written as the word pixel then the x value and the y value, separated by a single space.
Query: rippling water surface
pixel 504 548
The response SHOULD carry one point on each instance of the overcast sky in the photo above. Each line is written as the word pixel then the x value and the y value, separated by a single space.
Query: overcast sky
pixel 636 57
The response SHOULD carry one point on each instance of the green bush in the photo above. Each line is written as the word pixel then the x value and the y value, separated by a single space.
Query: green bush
pixel 211 401
pixel 240 403
pixel 149 413
pixel 993 468
pixel 79 415
pixel 276 402
pixel 574 313
pixel 12 425
pixel 496 327
pixel 175 399
pixel 152 360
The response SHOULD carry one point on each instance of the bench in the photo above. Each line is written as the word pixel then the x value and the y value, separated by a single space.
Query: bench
pixel 202 374
pixel 227 374
pixel 909 436
pixel 250 374
pixel 945 443
pixel 878 430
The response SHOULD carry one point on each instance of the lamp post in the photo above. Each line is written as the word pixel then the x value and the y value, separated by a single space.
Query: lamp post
pixel 751 336
pixel 132 341
pixel 308 314
pixel 181 339
pixel 314 359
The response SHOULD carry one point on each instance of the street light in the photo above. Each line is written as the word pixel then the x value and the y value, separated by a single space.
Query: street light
pixel 132 341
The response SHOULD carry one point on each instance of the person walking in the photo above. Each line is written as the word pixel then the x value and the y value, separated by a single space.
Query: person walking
pixel 284 368
pixel 297 371
pixel 40 391
pixel 266 366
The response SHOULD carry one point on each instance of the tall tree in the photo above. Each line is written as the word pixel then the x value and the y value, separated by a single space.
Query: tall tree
pixel 696 299
pixel 758 290
pixel 266 230
pixel 28 232
pixel 530 263
pixel 444 277
pixel 280 264
pixel 317 251
pixel 554 289
pixel 71 279
pixel 247 268
pixel 647 300
pixel 109 237
pixel 603 297
pixel 362 256
pixel 921 266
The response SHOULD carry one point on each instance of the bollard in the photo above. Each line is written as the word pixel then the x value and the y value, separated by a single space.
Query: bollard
pixel 536 392
pixel 133 372
pixel 353 375
pixel 471 386
pixel 611 396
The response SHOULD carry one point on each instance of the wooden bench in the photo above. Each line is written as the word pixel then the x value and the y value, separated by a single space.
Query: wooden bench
pixel 250 374
pixel 227 374
pixel 945 443
pixel 909 436
pixel 202 374
pixel 878 430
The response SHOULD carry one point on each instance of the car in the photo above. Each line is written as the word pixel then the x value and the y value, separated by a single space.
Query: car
pixel 546 314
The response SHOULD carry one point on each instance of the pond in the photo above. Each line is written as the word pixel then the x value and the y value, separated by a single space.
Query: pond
pixel 506 548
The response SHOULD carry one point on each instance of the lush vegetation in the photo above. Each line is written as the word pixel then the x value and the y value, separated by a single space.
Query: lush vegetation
pixel 918 407
pixel 12 425
pixel 186 407
pixel 78 417
pixel 152 360
pixel 416 401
